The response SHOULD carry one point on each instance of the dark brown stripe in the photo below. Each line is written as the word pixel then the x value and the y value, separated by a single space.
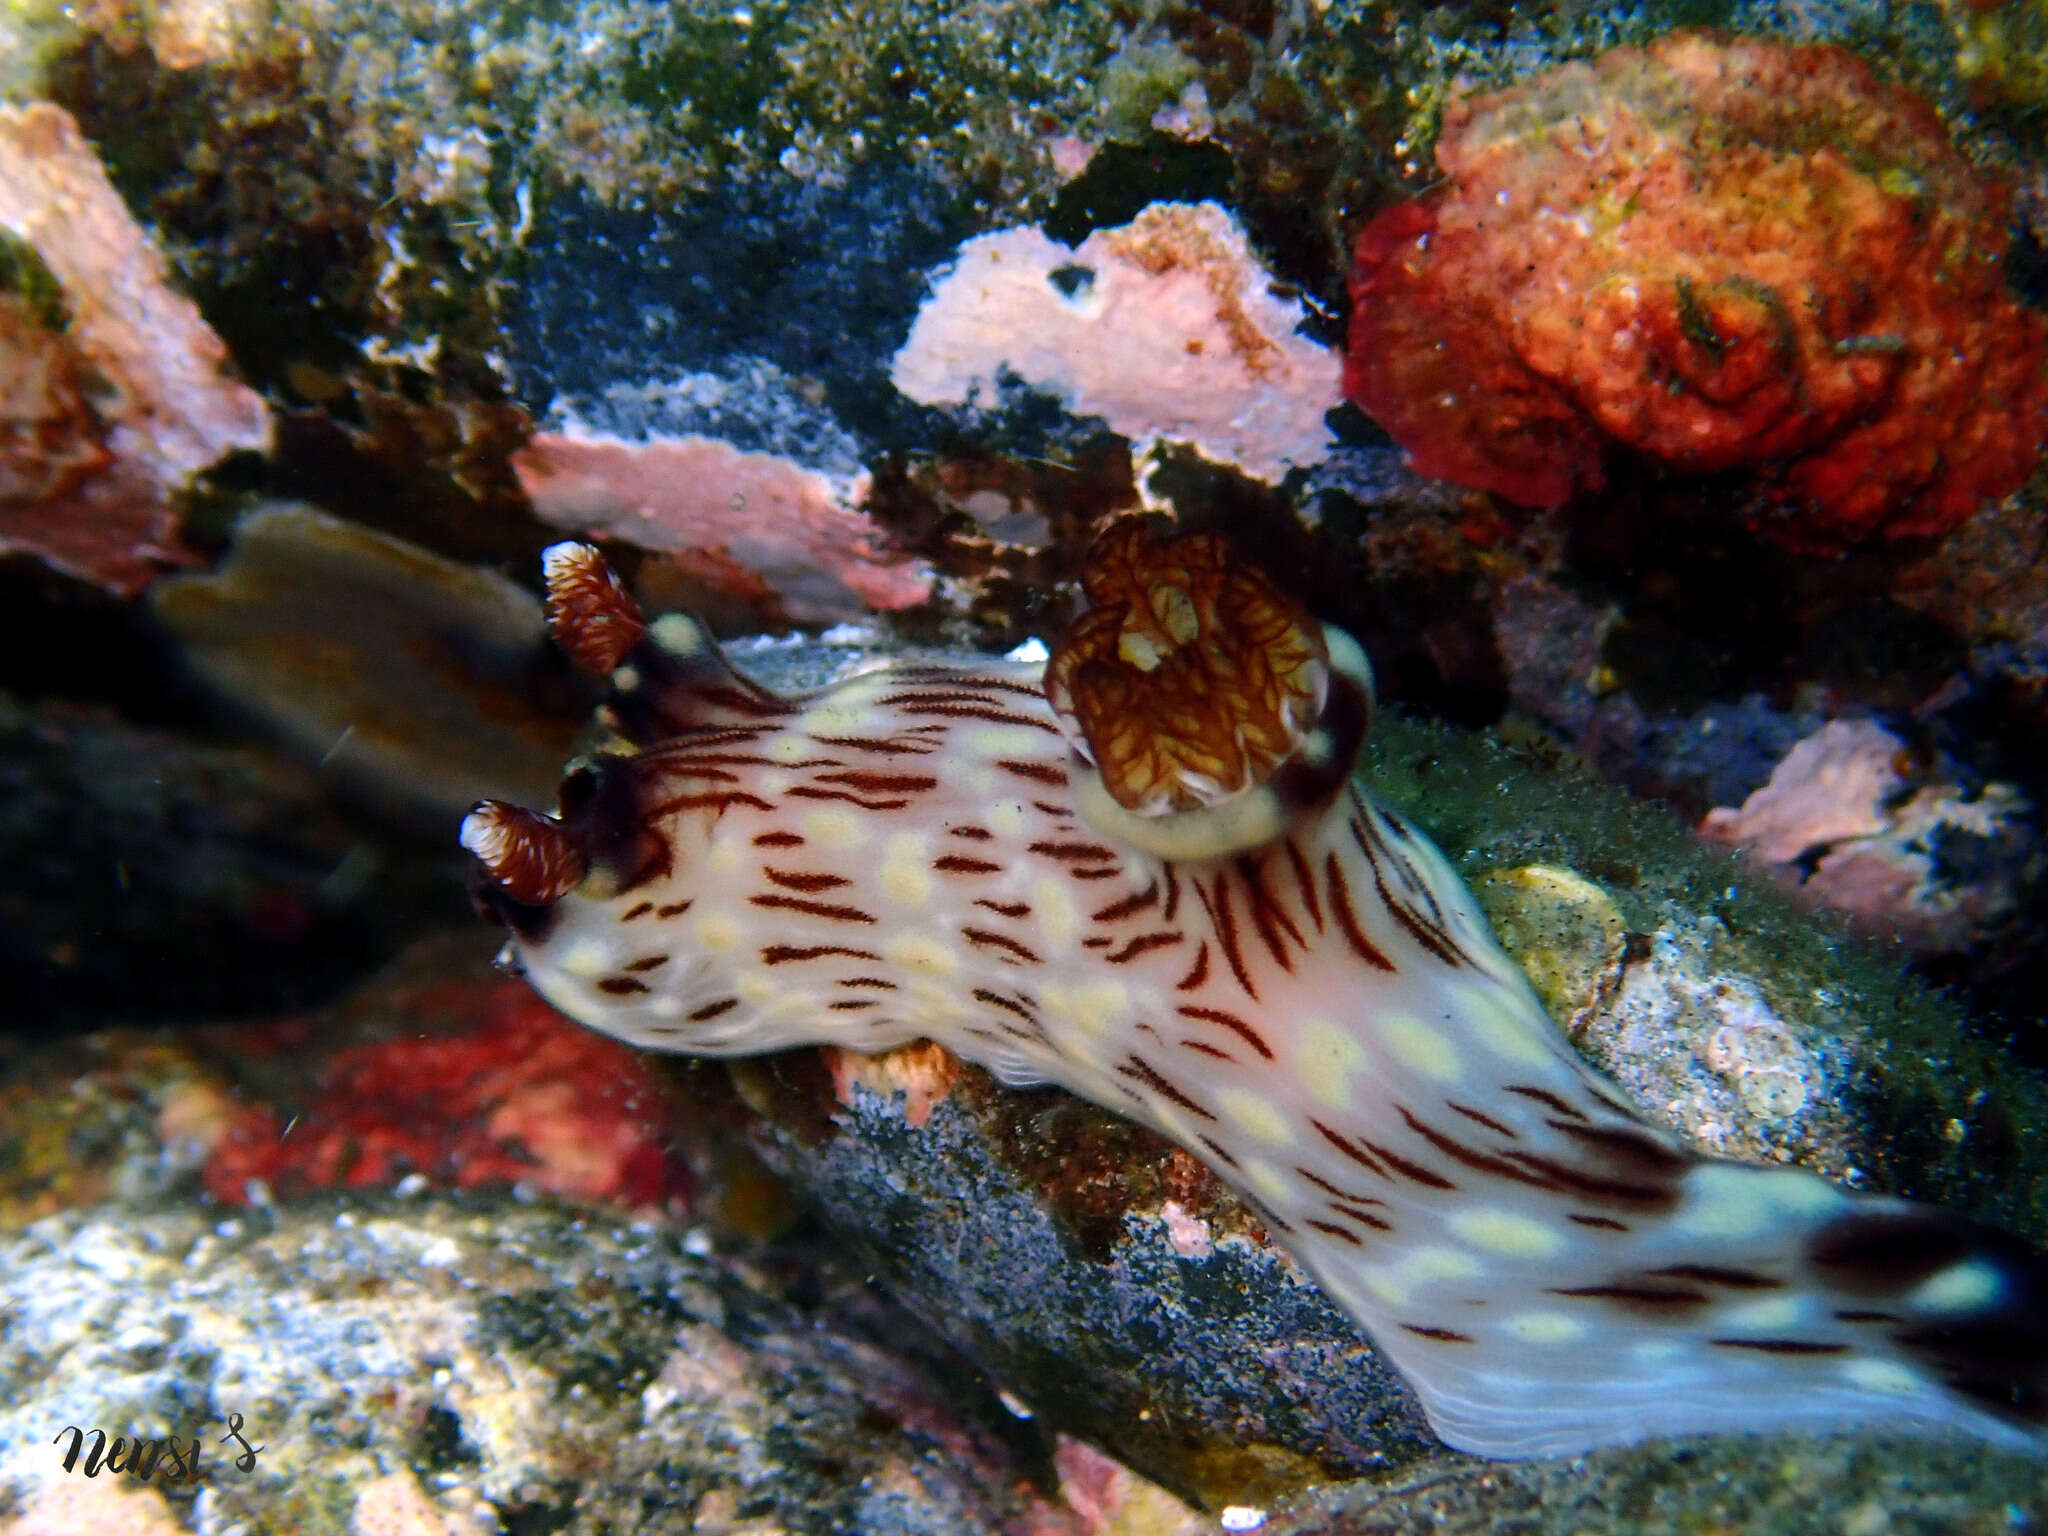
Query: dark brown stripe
pixel 779 840
pixel 998 941
pixel 1124 906
pixel 1266 908
pixel 1005 908
pixel 1172 895
pixel 1304 882
pixel 1441 1335
pixel 813 908
pixel 852 1004
pixel 1638 1152
pixel 1478 1119
pixel 621 986
pixel 778 954
pixel 1605 1223
pixel 975 834
pixel 1350 1149
pixel 1347 917
pixel 958 702
pixel 960 864
pixel 1218 1151
pixel 640 910
pixel 1206 1049
pixel 684 768
pixel 1860 1315
pixel 1427 1177
pixel 1352 1213
pixel 1331 1189
pixel 1107 872
pixel 1646 1298
pixel 1782 1346
pixel 870 783
pixel 1343 1233
pixel 1545 1097
pixel 803 879
pixel 1138 1070
pixel 1614 1191
pixel 1143 943
pixel 1007 1004
pixel 885 747
pixel 675 908
pixel 1037 773
pixel 1472 1158
pixel 713 1010
pixel 1231 1022
pixel 879 983
pixel 1078 853
pixel 1715 1274
pixel 648 963
pixel 1196 973
pixel 720 802
pixel 1224 921
pixel 1439 945
pixel 813 792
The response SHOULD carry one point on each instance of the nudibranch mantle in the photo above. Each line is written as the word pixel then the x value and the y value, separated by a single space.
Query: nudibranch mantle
pixel 1207 925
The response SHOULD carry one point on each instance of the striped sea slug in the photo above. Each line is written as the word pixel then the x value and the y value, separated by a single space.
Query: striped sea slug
pixel 1149 876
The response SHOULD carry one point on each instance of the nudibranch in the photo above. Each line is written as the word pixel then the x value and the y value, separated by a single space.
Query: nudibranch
pixel 1149 876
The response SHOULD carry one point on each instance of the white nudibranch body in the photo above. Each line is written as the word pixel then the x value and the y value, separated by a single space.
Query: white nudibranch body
pixel 1318 1010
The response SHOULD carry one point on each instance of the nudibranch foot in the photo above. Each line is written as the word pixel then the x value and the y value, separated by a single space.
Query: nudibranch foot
pixel 1161 889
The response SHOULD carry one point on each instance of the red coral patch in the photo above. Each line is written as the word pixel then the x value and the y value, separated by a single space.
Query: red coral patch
pixel 1719 255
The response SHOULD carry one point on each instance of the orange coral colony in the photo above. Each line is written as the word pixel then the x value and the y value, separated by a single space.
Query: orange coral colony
pixel 1718 254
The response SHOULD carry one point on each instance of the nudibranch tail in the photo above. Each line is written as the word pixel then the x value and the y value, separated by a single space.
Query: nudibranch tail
pixel 1161 889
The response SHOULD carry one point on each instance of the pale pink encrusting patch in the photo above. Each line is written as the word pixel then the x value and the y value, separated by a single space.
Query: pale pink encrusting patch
pixel 161 405
pixel 746 518
pixel 1167 328
pixel 1843 825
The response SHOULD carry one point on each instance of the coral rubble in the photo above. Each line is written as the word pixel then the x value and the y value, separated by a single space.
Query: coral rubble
pixel 112 388
pixel 1718 255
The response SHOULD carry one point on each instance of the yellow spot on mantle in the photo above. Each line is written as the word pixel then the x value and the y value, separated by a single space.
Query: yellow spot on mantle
pixel 922 954
pixel 1326 1058
pixel 717 931
pixel 1057 916
pixel 586 958
pixel 905 880
pixel 1507 1232
pixel 834 828
pixel 1959 1288
pixel 1546 1328
pixel 1257 1116
pixel 1728 1200
pixel 1006 818
pixel 1420 1047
